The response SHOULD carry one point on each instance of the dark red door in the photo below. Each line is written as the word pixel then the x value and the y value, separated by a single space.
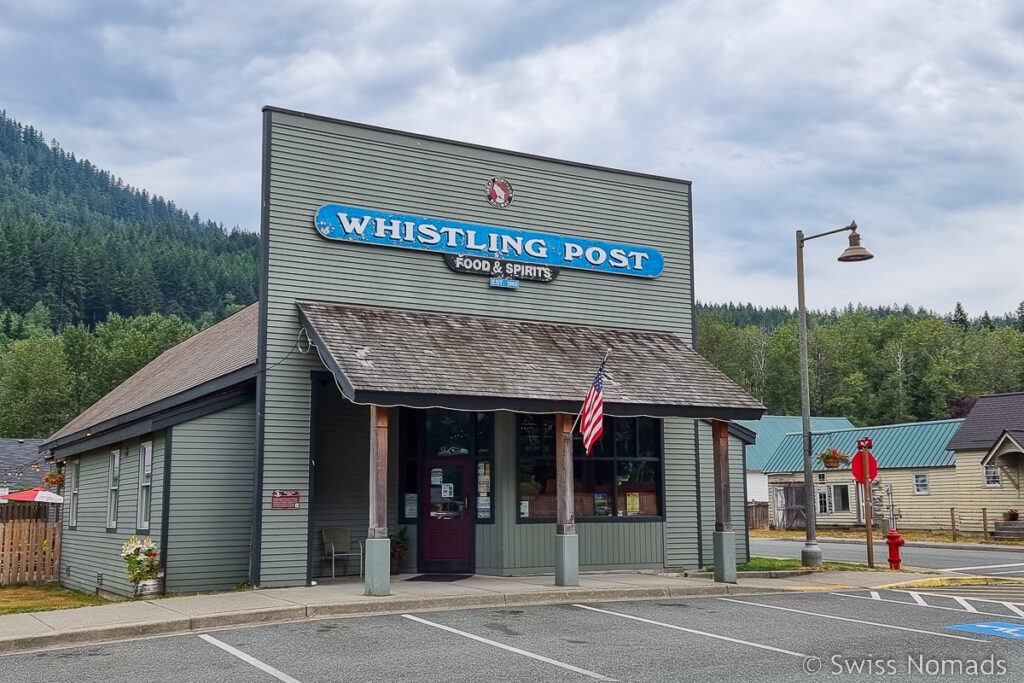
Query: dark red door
pixel 447 528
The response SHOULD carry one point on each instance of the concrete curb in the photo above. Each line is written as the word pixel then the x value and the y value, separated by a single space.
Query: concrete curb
pixel 768 574
pixel 987 547
pixel 954 581
pixel 388 605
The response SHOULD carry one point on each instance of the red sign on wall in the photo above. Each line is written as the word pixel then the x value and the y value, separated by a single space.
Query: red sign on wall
pixel 284 500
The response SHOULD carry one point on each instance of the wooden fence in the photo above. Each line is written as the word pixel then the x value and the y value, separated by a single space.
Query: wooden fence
pixel 29 551
pixel 26 509
pixel 757 515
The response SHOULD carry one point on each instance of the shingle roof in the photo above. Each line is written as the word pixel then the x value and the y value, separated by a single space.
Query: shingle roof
pixel 987 420
pixel 16 459
pixel 771 429
pixel 218 350
pixel 916 444
pixel 391 356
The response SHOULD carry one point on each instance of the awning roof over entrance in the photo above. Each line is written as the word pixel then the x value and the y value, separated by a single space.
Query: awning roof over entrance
pixel 390 356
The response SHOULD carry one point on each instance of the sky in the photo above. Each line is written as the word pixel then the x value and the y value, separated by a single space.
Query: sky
pixel 906 116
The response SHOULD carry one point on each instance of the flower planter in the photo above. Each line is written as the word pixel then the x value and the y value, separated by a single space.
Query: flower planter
pixel 1011 516
pixel 148 589
pixel 831 462
pixel 396 565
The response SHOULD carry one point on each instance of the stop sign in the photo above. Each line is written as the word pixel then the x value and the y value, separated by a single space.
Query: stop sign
pixel 857 465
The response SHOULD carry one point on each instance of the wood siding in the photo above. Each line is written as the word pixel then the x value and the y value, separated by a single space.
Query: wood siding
pixel 313 162
pixel 682 535
pixel 90 554
pixel 210 517
pixel 972 494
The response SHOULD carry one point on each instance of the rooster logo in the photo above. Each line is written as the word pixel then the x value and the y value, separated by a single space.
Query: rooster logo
pixel 499 192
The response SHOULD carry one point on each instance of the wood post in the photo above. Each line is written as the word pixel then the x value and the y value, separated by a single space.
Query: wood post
pixel 952 521
pixel 566 519
pixel 984 521
pixel 720 448
pixel 378 472
pixel 868 503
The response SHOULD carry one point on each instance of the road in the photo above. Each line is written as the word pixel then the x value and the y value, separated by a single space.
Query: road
pixel 860 634
pixel 990 562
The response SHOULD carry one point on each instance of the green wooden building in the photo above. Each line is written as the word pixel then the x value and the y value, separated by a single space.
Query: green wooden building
pixel 429 311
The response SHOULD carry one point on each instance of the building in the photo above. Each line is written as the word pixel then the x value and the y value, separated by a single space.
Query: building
pixel 21 465
pixel 770 431
pixel 431 315
pixel 913 464
pixel 989 454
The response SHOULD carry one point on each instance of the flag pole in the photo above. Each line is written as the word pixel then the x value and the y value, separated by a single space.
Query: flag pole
pixel 601 370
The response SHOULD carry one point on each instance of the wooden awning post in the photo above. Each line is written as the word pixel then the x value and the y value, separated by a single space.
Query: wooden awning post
pixel 378 545
pixel 724 537
pixel 567 545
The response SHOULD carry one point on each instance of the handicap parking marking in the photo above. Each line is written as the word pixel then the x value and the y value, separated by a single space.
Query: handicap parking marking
pixel 1017 613
pixel 994 628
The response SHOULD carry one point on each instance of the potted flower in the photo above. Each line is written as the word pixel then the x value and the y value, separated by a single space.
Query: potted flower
pixel 54 478
pixel 142 564
pixel 399 549
pixel 1010 515
pixel 832 457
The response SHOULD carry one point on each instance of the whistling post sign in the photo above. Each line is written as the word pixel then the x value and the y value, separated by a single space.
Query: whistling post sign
pixel 387 229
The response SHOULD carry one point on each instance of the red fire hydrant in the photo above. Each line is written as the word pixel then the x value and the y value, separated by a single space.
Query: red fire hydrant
pixel 894 541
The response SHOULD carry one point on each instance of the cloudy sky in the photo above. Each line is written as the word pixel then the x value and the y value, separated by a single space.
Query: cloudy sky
pixel 906 116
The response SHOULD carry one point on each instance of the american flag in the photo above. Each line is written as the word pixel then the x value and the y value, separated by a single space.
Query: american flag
pixel 592 415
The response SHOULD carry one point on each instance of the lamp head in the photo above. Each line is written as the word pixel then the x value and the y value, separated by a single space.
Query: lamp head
pixel 855 252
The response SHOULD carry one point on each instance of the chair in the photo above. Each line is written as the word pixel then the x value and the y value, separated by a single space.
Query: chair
pixel 338 543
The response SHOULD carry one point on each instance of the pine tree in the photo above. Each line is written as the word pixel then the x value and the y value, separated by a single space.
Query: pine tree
pixel 960 317
pixel 1020 317
pixel 986 322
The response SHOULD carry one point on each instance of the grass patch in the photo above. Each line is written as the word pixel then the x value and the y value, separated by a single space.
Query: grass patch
pixel 23 598
pixel 773 564
pixel 859 535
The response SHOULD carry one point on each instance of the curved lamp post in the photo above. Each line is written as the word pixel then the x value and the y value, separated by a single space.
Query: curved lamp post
pixel 810 556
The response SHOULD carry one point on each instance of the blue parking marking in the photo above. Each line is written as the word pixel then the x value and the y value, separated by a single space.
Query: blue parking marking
pixel 994 628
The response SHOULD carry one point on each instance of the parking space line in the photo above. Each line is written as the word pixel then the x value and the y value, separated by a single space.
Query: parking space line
pixel 875 595
pixel 249 659
pixel 516 650
pixel 917 596
pixel 967 606
pixel 694 631
pixel 855 621
pixel 984 566
pixel 1013 608
pixel 908 604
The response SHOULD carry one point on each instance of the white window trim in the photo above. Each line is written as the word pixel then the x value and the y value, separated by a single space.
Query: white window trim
pixel 926 484
pixel 820 501
pixel 113 487
pixel 142 521
pixel 73 477
pixel 984 476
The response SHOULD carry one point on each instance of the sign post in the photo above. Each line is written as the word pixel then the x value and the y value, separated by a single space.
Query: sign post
pixel 865 469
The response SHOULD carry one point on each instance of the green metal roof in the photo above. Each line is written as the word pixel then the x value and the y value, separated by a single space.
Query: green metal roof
pixel 916 444
pixel 771 429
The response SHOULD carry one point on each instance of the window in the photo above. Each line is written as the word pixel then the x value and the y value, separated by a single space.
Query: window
pixel 145 485
pixel 841 497
pixel 438 433
pixel 920 483
pixel 73 469
pixel 993 476
pixel 821 477
pixel 620 478
pixel 823 503
pixel 114 474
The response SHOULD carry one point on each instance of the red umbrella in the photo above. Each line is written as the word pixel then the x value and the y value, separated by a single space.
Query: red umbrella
pixel 38 494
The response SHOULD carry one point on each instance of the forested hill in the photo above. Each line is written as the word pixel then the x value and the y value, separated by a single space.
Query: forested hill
pixel 85 244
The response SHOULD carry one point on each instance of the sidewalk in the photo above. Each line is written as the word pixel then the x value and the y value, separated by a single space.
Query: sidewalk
pixel 40 630
pixel 959 545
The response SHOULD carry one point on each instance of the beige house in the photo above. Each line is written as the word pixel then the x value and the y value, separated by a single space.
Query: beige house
pixel 914 467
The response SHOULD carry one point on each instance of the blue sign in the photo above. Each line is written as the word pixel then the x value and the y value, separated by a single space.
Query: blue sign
pixel 503 282
pixel 386 229
pixel 994 628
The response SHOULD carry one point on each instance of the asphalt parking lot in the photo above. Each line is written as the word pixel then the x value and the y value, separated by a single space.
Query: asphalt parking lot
pixel 814 635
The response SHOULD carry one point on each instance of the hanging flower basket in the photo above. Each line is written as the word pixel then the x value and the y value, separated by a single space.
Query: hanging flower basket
pixel 832 458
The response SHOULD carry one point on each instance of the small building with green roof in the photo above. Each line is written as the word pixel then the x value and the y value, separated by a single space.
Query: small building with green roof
pixel 913 463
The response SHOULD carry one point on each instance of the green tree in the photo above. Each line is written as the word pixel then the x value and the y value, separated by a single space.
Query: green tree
pixel 35 389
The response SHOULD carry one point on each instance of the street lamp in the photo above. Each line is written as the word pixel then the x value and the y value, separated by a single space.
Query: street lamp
pixel 810 556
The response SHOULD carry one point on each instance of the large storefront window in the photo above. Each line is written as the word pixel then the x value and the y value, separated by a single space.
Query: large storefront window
pixel 436 433
pixel 620 478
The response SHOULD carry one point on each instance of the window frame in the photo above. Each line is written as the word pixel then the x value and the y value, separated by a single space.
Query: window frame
pixel 835 498
pixel 144 522
pixel 999 476
pixel 613 459
pixel 113 488
pixel 74 477
pixel 823 502
pixel 917 490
